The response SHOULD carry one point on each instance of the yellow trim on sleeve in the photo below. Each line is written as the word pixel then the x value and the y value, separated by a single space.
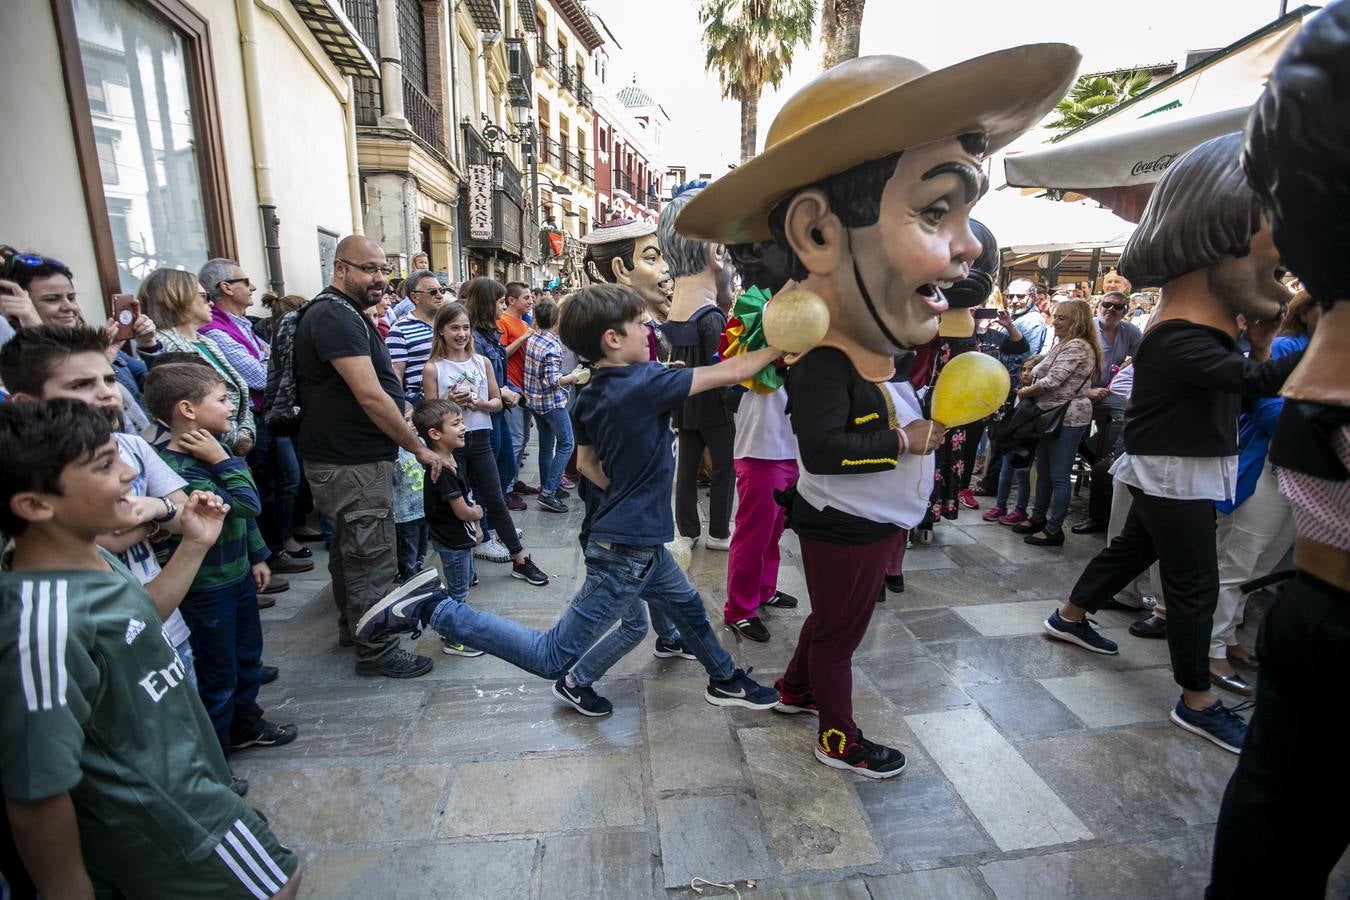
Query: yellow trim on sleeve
pixel 863 420
pixel 867 462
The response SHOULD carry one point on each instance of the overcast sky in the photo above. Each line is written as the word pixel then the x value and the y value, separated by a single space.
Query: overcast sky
pixel 661 46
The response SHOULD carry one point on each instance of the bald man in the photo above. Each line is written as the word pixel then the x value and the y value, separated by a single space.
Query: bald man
pixel 350 431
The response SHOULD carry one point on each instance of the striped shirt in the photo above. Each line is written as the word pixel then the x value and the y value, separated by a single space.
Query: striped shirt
pixel 543 368
pixel 240 543
pixel 409 343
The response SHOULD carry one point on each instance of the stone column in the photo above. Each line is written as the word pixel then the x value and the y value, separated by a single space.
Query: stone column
pixel 391 214
pixel 391 67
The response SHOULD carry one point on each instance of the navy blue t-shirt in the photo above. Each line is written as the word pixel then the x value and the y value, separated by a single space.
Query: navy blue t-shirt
pixel 624 414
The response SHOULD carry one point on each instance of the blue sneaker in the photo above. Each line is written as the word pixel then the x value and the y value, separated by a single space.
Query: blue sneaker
pixel 740 690
pixel 1217 723
pixel 407 607
pixel 1080 633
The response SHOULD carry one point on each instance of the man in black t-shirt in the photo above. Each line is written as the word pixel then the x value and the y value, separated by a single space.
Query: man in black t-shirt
pixel 350 432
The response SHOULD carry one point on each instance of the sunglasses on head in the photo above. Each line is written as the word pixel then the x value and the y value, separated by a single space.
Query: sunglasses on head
pixel 16 261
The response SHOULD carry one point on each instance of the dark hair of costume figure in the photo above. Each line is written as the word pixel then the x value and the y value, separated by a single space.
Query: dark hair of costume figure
pixel 38 439
pixel 599 259
pixel 1297 156
pixel 976 287
pixel 28 358
pixel 480 298
pixel 761 264
pixel 594 310
pixel 1200 211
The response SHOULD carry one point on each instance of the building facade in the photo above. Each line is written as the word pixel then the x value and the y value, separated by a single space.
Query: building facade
pixel 166 132
pixel 630 171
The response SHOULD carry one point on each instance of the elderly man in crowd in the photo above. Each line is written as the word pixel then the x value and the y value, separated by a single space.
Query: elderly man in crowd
pixel 410 337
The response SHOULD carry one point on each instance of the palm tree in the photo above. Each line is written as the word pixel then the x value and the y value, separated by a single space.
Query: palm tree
pixel 750 45
pixel 1092 95
pixel 840 31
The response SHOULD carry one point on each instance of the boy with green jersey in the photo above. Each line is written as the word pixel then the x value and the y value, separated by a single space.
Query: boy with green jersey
pixel 114 781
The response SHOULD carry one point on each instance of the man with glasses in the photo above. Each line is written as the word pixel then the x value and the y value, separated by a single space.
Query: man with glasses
pixel 1119 340
pixel 1021 300
pixel 350 431
pixel 410 337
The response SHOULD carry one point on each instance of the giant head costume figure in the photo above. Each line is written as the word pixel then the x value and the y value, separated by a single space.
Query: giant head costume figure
pixel 866 182
pixel 1202 239
pixel 627 252
pixel 702 269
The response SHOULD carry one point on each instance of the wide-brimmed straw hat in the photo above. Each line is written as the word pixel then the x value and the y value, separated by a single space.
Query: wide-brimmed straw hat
pixel 622 230
pixel 870 107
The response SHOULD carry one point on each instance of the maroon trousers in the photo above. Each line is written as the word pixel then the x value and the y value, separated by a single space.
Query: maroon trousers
pixel 843 581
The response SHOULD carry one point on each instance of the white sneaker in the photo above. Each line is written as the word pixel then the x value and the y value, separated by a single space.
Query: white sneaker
pixel 722 544
pixel 492 551
pixel 681 549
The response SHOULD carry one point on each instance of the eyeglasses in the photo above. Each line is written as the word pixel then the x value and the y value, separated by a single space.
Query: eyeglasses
pixel 434 292
pixel 1119 307
pixel 368 268
pixel 1012 296
pixel 247 281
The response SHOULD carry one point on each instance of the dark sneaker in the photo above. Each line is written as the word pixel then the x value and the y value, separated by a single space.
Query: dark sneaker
pixel 269 735
pixel 238 785
pixel 781 600
pixel 740 690
pixel 524 489
pixel 1080 633
pixel 1217 723
pixel 665 649
pixel 582 698
pixel 1151 626
pixel 868 759
pixel 266 602
pixel 407 607
pixel 1029 526
pixel 530 572
pixel 449 648
pixel 269 674
pixel 561 493
pixel 751 629
pixel 895 583
pixel 284 562
pixel 515 503
pixel 551 503
pixel 276 586
pixel 399 664
pixel 793 704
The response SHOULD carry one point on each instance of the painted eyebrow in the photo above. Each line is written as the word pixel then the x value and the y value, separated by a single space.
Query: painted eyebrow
pixel 972 180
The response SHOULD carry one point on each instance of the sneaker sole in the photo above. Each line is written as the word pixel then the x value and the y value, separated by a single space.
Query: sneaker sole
pixel 469 654
pixel 1182 723
pixel 515 574
pixel 262 743
pixel 572 703
pixel 411 673
pixel 671 654
pixel 420 580
pixel 788 709
pixel 1076 641
pixel 553 509
pixel 833 763
pixel 496 559
pixel 743 702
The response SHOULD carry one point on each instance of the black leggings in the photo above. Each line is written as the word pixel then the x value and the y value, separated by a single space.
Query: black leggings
pixel 478 466
pixel 719 441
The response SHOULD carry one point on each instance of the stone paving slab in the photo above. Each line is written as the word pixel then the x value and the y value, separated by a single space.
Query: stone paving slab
pixel 1175 867
pixel 426 872
pixel 719 837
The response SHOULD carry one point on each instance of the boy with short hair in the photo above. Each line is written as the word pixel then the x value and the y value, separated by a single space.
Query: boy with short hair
pixel 221 606
pixel 546 392
pixel 625 447
pixel 450 517
pixel 112 780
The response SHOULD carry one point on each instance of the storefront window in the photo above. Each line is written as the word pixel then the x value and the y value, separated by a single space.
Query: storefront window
pixel 136 74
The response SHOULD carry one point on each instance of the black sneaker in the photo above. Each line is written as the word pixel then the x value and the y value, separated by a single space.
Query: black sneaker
pixel 399 664
pixel 1151 626
pixel 269 734
pixel 740 690
pixel 793 704
pixel 551 503
pixel 1217 723
pixel 665 649
pixel 582 698
pixel 530 572
pixel 562 493
pixel 1080 633
pixel 895 583
pixel 871 760
pixel 751 628
pixel 407 607
pixel 781 600
pixel 270 674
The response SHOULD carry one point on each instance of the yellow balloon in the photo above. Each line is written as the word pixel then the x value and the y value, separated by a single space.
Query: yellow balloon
pixel 971 386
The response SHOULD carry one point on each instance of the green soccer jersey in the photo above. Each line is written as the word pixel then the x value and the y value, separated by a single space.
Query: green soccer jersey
pixel 98 704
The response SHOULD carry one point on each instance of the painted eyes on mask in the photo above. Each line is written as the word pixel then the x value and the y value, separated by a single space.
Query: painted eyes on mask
pixel 934 214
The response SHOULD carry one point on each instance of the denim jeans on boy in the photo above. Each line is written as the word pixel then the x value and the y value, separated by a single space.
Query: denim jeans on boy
pixel 1009 475
pixel 412 546
pixel 184 651
pixel 616 576
pixel 555 447
pixel 1054 466
pixel 227 654
pixel 458 568
pixel 504 452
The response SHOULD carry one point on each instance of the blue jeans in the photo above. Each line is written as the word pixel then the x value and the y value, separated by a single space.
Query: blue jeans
pixel 184 651
pixel 458 566
pixel 617 576
pixel 504 452
pixel 286 470
pixel 555 447
pixel 1007 476
pixel 1054 466
pixel 412 546
pixel 227 654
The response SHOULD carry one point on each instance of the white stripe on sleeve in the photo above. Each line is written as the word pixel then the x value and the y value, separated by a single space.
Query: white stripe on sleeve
pixel 239 873
pixel 44 648
pixel 243 853
pixel 262 853
pixel 60 645
pixel 26 647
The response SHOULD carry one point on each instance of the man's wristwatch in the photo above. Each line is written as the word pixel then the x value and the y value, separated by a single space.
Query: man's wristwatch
pixel 170 510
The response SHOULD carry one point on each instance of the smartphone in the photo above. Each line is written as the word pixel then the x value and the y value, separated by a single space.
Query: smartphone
pixel 125 310
pixel 984 312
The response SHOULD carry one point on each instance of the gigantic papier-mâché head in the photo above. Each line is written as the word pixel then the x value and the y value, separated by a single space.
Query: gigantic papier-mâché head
pixel 688 257
pixel 627 252
pixel 1204 216
pixel 867 180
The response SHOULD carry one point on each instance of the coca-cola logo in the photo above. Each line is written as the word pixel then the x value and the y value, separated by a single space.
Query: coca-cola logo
pixel 1157 165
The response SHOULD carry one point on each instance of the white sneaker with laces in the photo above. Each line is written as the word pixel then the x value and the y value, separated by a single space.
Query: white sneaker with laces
pixel 493 551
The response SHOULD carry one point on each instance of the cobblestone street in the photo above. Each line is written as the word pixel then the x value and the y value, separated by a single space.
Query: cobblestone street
pixel 1035 770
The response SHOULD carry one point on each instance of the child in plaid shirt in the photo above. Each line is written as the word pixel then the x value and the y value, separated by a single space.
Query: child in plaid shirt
pixel 546 395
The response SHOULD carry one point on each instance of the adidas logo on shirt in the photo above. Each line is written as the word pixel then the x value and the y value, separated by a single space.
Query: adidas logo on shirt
pixel 134 629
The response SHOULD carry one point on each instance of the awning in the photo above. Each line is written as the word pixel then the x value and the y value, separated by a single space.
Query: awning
pixel 1031 225
pixel 335 33
pixel 1117 157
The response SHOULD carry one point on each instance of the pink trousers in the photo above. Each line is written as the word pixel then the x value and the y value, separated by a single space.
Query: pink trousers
pixel 752 566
